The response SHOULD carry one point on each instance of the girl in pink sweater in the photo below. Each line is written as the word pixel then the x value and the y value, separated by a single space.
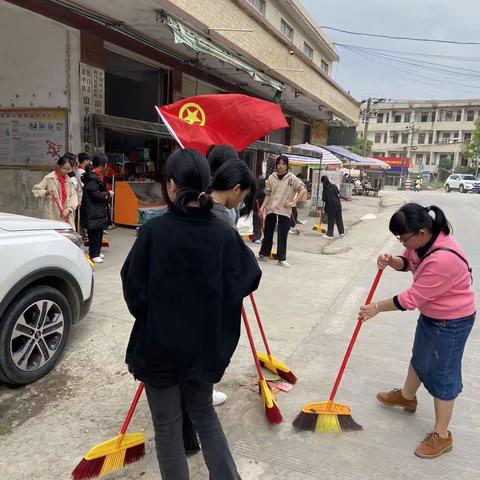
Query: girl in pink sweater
pixel 441 291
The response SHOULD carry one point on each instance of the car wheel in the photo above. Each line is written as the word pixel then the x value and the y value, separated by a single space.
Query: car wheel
pixel 447 188
pixel 461 189
pixel 33 333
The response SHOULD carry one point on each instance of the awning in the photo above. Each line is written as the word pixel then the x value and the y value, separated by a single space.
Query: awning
pixel 328 158
pixel 184 35
pixel 310 161
pixel 354 159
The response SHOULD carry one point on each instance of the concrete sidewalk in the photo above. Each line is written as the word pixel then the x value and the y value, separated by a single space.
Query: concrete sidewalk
pixel 309 313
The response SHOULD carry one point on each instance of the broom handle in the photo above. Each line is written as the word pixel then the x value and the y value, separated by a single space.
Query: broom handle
pixel 59 207
pixel 252 345
pixel 260 326
pixel 354 338
pixel 132 408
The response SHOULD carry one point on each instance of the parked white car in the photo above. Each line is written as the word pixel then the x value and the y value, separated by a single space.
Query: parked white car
pixel 46 285
pixel 463 183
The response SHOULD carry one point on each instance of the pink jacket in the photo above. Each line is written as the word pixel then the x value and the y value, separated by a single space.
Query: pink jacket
pixel 441 286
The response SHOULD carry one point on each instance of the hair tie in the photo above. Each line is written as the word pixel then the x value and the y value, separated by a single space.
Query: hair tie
pixel 431 212
pixel 201 195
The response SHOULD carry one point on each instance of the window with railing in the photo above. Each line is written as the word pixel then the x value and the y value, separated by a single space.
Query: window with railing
pixel 378 137
pixel 470 115
pixel 286 29
pixel 258 4
pixel 308 50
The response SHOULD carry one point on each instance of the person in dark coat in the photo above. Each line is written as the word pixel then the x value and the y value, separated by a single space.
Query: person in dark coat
pixel 94 209
pixel 333 207
pixel 184 281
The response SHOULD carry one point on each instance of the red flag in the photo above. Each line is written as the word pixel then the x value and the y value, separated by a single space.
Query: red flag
pixel 204 120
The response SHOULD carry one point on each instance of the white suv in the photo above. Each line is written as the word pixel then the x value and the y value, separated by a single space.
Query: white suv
pixel 46 284
pixel 462 183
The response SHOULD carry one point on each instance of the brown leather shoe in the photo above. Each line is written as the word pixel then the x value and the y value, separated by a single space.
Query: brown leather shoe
pixel 433 446
pixel 394 398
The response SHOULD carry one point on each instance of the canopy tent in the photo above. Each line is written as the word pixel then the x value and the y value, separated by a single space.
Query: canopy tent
pixel 324 156
pixel 357 160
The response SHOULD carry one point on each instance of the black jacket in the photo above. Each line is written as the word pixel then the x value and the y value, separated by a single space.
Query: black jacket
pixel 184 281
pixel 331 197
pixel 94 208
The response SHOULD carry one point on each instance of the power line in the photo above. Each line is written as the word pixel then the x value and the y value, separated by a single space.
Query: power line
pixel 393 37
pixel 409 54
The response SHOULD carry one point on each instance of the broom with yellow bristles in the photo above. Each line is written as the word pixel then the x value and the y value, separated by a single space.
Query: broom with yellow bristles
pixel 329 416
pixel 267 360
pixel 116 453
pixel 272 412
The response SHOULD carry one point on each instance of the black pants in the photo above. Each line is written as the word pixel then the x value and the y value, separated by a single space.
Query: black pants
pixel 294 217
pixel 335 217
pixel 94 242
pixel 166 409
pixel 257 228
pixel 283 228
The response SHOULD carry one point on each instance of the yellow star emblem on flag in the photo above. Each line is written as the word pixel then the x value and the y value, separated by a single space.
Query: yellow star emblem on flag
pixel 192 113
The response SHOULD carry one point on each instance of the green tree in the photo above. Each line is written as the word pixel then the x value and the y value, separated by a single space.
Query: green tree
pixel 471 149
pixel 358 147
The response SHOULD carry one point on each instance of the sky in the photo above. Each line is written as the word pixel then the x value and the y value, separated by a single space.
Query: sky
pixel 393 79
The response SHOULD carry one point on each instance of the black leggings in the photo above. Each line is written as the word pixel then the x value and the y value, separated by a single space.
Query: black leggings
pixel 95 242
pixel 335 217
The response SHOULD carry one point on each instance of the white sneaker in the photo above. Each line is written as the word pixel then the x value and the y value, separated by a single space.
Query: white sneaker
pixel 102 256
pixel 284 263
pixel 301 222
pixel 218 398
pixel 326 236
pixel 342 234
pixel 97 260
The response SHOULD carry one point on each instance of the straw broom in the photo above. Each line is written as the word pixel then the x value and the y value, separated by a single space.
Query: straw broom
pixel 329 416
pixel 116 453
pixel 267 360
pixel 272 412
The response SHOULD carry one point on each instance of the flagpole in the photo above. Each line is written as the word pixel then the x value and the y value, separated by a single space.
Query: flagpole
pixel 169 128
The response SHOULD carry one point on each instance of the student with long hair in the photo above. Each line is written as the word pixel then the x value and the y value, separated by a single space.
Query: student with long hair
pixel 282 190
pixel 441 291
pixel 333 207
pixel 184 281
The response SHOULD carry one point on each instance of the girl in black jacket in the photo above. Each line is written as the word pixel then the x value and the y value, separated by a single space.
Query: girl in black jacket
pixel 94 209
pixel 333 207
pixel 184 282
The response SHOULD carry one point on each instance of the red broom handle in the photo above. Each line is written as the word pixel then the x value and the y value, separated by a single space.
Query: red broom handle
pixel 260 326
pixel 354 338
pixel 252 345
pixel 132 408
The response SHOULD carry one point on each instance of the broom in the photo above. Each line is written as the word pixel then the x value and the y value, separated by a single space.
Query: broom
pixel 329 416
pixel 266 360
pixel 272 411
pixel 116 453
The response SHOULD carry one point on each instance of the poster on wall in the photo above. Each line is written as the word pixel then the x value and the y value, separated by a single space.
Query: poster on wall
pixel 36 136
pixel 92 100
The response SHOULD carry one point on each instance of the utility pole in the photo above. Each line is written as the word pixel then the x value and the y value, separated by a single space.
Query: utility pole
pixel 412 130
pixel 366 114
pixel 365 128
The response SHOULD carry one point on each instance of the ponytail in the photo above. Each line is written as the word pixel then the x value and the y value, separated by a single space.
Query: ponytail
pixel 190 171
pixel 412 217
pixel 440 222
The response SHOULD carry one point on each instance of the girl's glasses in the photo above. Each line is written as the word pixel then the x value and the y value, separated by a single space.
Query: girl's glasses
pixel 403 242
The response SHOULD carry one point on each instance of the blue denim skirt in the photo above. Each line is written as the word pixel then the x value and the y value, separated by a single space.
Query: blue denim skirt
pixel 437 354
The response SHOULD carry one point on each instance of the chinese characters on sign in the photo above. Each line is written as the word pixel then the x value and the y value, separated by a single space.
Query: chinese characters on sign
pixel 92 100
pixel 32 136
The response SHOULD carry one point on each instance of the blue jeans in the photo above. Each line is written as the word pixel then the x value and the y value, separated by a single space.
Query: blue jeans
pixel 166 409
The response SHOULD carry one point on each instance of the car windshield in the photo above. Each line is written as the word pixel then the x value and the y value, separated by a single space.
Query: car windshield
pixel 468 177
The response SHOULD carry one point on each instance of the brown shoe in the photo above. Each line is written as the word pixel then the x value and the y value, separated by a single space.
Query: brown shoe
pixel 394 398
pixel 433 446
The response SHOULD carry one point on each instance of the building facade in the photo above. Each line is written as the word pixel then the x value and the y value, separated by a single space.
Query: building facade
pixel 426 132
pixel 85 76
